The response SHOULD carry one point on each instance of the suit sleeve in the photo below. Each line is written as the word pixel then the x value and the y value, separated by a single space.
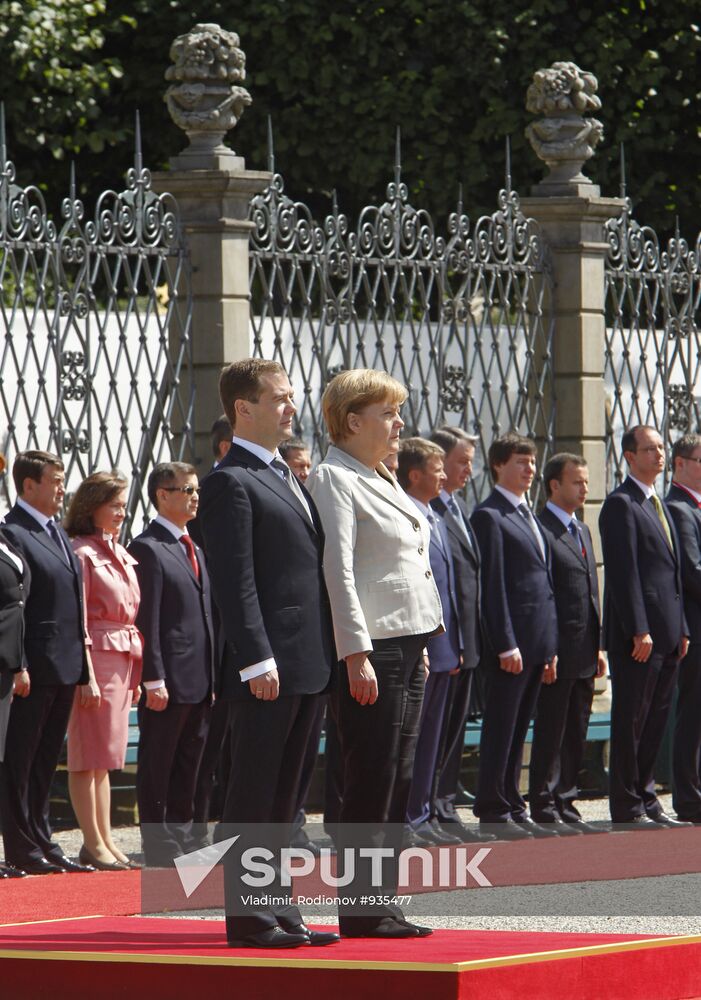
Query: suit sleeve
pixel 148 619
pixel 226 523
pixel 332 493
pixel 684 521
pixel 619 545
pixel 495 606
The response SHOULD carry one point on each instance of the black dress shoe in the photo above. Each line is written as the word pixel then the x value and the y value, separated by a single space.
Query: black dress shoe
pixel 559 827
pixel 664 820
pixel 583 827
pixel 535 829
pixel 434 835
pixel 387 927
pixel 466 835
pixel 71 866
pixel 411 838
pixel 272 937
pixel 638 823
pixel 507 830
pixel 10 871
pixel 419 931
pixel 316 938
pixel 694 820
pixel 42 867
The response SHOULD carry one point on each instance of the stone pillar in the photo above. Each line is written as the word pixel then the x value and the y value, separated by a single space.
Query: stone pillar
pixel 572 213
pixel 212 188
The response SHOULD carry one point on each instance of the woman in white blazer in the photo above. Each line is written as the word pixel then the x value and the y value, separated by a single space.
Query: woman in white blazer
pixel 384 604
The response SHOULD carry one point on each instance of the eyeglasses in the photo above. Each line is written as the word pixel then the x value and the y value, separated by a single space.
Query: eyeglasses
pixel 181 489
pixel 690 458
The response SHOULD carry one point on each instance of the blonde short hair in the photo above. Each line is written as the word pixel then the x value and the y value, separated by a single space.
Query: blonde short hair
pixel 352 391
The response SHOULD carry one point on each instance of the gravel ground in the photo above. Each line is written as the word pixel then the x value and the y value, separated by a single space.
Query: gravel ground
pixel 662 905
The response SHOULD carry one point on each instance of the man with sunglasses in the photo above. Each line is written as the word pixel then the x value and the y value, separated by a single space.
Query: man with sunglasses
pixel 175 619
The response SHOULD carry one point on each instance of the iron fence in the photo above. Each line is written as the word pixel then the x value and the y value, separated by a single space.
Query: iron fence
pixel 461 317
pixel 96 353
pixel 653 348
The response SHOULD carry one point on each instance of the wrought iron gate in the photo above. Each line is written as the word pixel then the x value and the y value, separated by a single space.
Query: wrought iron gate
pixel 462 319
pixel 96 357
pixel 653 347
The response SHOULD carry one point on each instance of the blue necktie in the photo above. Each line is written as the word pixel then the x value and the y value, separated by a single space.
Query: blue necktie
pixel 55 535
pixel 457 514
pixel 576 533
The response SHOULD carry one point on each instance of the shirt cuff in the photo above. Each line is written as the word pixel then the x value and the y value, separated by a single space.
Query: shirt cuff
pixel 256 669
pixel 509 652
pixel 154 685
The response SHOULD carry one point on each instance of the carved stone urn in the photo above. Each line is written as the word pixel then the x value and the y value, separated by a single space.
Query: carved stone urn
pixel 204 97
pixel 564 138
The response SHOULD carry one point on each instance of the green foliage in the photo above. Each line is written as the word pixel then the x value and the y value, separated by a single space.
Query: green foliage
pixel 53 77
pixel 338 77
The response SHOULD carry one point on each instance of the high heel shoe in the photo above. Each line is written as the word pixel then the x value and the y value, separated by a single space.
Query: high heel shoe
pixel 86 858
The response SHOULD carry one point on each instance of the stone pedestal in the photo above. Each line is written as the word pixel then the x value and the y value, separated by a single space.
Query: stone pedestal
pixel 213 206
pixel 573 228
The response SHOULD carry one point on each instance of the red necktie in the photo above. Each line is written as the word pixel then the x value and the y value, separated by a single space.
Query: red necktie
pixel 190 547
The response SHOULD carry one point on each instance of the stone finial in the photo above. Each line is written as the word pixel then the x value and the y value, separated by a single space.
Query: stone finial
pixel 564 139
pixel 204 98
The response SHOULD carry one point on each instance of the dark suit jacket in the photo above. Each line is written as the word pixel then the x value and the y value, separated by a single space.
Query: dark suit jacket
pixel 518 603
pixel 14 589
pixel 687 520
pixel 643 583
pixel 444 650
pixel 466 561
pixel 54 638
pixel 576 598
pixel 175 616
pixel 265 560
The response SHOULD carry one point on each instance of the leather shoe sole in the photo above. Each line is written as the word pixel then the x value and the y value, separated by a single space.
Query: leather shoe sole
pixel 273 937
pixel 638 823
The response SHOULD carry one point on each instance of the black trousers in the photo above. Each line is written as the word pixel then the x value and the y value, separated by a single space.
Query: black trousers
pixel 171 743
pixel 35 735
pixel 450 761
pixel 377 744
pixel 559 739
pixel 269 742
pixel 641 698
pixel 214 768
pixel 687 737
pixel 509 707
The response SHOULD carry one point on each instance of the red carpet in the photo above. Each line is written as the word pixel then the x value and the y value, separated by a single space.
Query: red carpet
pixel 47 897
pixel 538 862
pixel 166 958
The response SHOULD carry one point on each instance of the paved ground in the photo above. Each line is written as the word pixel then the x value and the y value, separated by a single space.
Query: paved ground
pixel 662 905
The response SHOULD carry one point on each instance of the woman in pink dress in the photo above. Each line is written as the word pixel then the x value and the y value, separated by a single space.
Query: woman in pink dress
pixel 97 734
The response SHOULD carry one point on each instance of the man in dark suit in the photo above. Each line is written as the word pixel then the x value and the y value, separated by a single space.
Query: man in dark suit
pixel 645 631
pixel 564 707
pixel 420 474
pixel 175 619
pixel 517 591
pixel 264 545
pixel 684 505
pixel 459 448
pixel 56 661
